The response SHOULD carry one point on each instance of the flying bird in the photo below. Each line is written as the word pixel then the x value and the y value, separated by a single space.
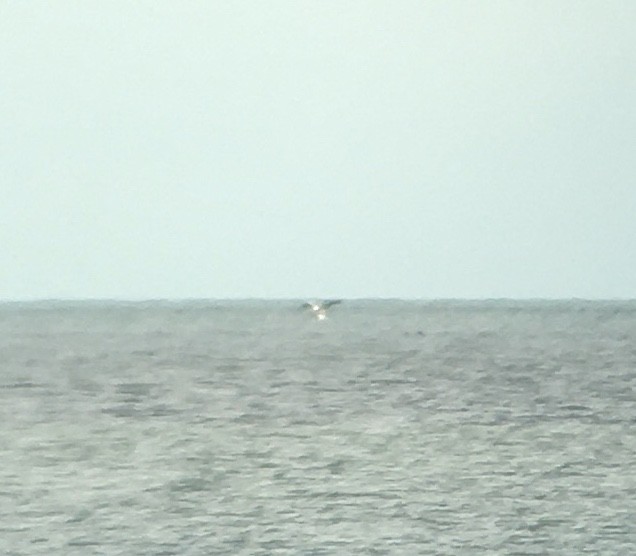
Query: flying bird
pixel 319 310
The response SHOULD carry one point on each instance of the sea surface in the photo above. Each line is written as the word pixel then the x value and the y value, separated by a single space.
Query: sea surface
pixel 391 427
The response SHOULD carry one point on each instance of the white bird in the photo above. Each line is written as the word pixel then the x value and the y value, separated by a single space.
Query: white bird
pixel 319 310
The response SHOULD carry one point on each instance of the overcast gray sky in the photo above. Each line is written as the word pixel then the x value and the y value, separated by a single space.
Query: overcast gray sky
pixel 292 148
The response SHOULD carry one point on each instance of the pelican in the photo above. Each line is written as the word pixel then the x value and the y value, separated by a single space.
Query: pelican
pixel 319 310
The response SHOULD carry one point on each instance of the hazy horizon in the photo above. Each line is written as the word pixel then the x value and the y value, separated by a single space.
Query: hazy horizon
pixel 135 300
pixel 291 149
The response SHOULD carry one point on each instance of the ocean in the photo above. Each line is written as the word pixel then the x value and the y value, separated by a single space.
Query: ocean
pixel 251 428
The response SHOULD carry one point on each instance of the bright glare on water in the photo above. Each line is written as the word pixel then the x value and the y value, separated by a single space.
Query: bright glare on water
pixel 248 428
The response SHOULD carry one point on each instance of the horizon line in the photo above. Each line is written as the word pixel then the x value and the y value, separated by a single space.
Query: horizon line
pixel 297 298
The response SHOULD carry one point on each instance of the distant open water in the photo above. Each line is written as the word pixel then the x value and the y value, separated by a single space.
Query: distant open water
pixel 249 428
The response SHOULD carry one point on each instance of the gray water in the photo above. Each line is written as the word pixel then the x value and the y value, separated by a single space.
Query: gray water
pixel 250 428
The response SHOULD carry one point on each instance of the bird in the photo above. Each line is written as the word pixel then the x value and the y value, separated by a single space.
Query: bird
pixel 319 309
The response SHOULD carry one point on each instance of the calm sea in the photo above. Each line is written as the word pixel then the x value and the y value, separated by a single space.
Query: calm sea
pixel 250 428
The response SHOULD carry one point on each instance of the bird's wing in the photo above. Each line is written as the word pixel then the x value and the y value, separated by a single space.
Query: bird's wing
pixel 307 305
pixel 331 302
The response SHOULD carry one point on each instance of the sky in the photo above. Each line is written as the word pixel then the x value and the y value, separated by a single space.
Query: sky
pixel 294 148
